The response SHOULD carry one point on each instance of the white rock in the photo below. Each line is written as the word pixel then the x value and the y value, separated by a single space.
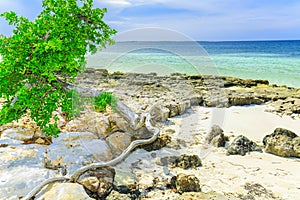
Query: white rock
pixel 17 134
pixel 65 191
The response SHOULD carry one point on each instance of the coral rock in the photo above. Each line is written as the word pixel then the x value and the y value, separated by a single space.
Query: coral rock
pixel 216 137
pixel 241 145
pixel 185 183
pixel 282 142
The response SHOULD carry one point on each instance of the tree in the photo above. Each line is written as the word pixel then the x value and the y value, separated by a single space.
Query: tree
pixel 43 56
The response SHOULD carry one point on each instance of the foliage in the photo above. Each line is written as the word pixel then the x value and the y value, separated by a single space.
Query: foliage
pixel 43 56
pixel 104 99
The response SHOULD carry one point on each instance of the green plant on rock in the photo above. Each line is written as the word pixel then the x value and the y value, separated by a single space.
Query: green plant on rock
pixel 43 56
pixel 104 99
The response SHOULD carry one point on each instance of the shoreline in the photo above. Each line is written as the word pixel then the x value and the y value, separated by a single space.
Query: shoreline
pixel 187 107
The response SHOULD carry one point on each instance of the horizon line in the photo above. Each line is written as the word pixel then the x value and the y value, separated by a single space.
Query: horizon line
pixel 259 40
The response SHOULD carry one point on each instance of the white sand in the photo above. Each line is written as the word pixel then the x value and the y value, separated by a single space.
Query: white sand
pixel 221 173
pixel 252 121
pixel 229 173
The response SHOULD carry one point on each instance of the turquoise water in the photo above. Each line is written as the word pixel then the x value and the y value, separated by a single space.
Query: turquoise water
pixel 276 61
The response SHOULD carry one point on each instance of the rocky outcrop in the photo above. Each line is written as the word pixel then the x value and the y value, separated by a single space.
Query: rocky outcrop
pixel 242 145
pixel 216 137
pixel 176 93
pixel 289 106
pixel 185 183
pixel 282 142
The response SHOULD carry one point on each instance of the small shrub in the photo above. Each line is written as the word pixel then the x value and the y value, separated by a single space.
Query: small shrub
pixel 104 99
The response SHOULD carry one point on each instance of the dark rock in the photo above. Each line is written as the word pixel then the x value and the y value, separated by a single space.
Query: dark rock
pixel 185 183
pixel 216 137
pixel 184 161
pixel 98 183
pixel 282 142
pixel 241 145
pixel 282 132
pixel 159 143
pixel 187 161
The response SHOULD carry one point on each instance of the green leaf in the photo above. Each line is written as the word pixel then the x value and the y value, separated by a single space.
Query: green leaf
pixel 43 54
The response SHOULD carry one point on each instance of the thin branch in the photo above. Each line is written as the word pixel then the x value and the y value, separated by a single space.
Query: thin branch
pixel 145 117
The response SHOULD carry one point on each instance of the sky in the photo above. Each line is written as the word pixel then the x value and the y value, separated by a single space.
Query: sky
pixel 202 20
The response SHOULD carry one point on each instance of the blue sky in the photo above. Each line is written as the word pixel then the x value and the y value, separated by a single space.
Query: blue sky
pixel 203 20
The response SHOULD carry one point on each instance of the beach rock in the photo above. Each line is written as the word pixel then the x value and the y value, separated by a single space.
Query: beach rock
pixel 160 113
pixel 288 106
pixel 173 108
pixel 18 133
pixel 282 142
pixel 248 83
pixel 114 195
pixel 184 161
pixel 20 180
pixel 185 183
pixel 118 142
pixel 124 179
pixel 244 99
pixel 215 98
pixel 9 142
pixel 257 191
pixel 64 191
pixel 77 149
pixel 205 196
pixel 216 137
pixel 98 183
pixel 187 161
pixel 242 145
pixel 92 122
pixel 178 92
pixel 21 168
pixel 161 141
pixel 166 161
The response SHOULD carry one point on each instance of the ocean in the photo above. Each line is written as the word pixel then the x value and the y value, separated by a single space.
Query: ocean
pixel 276 61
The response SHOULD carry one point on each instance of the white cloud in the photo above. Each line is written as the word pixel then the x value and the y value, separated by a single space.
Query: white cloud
pixel 117 3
